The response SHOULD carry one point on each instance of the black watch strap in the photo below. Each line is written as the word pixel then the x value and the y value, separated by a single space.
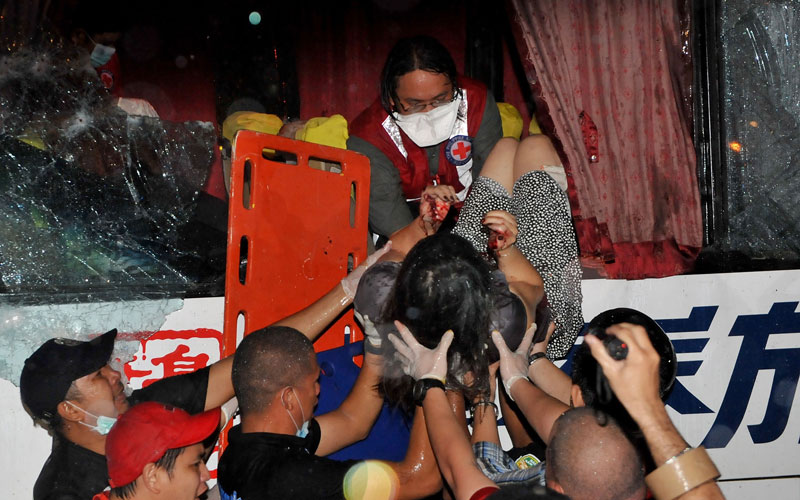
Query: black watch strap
pixel 421 387
pixel 533 357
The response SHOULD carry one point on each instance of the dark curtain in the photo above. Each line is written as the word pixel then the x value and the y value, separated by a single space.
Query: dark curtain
pixel 342 47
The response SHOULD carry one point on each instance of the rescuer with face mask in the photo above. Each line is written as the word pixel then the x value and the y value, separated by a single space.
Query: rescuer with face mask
pixel 427 135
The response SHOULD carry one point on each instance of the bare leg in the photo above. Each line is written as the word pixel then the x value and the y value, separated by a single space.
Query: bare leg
pixel 500 163
pixel 533 153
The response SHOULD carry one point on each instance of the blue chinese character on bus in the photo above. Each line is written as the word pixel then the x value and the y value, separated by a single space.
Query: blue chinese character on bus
pixel 754 357
pixel 699 320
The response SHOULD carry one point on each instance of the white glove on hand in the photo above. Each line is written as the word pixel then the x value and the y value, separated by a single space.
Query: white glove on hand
pixel 370 332
pixel 418 361
pixel 350 282
pixel 513 365
pixel 228 411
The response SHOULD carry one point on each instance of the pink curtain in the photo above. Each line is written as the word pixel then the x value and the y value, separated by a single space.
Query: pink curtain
pixel 611 79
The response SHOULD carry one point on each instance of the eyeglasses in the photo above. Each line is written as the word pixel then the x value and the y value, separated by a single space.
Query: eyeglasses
pixel 419 107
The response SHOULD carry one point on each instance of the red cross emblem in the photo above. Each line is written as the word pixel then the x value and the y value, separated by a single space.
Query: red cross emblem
pixel 459 150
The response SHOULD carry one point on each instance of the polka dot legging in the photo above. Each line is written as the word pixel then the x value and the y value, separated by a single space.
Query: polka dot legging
pixel 546 238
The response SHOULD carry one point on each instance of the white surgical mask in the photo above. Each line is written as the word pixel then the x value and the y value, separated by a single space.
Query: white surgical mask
pixel 430 127
pixel 302 431
pixel 101 54
pixel 103 424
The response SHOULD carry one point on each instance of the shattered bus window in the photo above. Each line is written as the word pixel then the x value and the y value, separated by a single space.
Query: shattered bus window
pixel 761 113
pixel 92 198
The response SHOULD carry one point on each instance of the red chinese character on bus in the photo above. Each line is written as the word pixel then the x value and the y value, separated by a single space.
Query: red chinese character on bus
pixel 171 352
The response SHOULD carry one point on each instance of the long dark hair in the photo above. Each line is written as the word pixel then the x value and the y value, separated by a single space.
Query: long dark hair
pixel 444 284
pixel 409 54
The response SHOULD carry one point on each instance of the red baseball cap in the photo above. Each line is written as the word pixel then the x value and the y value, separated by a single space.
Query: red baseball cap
pixel 145 432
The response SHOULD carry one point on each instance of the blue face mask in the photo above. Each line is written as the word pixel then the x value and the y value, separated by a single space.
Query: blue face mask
pixel 103 424
pixel 302 431
pixel 101 54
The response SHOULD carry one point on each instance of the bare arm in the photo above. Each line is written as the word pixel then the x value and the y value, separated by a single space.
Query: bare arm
pixel 525 282
pixel 418 473
pixel 220 385
pixel 450 443
pixel 539 409
pixel 523 279
pixel 452 450
pixel 547 376
pixel 315 318
pixel 403 240
pixel 635 382
pixel 484 417
pixel 353 419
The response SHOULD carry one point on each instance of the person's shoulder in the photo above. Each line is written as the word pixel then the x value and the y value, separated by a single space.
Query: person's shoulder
pixel 64 480
pixel 62 495
pixel 186 391
pixel 371 116
pixel 281 472
pixel 468 83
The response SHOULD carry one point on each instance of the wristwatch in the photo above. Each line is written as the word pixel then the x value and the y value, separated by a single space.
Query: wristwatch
pixel 421 387
pixel 534 357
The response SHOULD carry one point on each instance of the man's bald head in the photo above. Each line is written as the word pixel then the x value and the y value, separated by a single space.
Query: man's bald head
pixel 589 457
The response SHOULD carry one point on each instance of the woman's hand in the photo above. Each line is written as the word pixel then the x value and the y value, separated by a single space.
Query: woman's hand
pixel 503 227
pixel 441 192
pixel 433 206
pixel 418 361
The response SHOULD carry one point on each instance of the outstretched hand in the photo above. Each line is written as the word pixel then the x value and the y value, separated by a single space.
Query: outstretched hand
pixel 635 379
pixel 513 365
pixel 350 282
pixel 418 361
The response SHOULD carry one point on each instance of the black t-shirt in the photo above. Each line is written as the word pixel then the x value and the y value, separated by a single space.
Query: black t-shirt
pixel 73 472
pixel 262 465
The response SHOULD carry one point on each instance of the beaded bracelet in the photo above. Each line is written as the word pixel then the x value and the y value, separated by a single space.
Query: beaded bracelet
pixel 482 403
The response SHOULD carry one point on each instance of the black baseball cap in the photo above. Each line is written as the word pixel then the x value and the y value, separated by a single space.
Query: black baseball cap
pixel 50 370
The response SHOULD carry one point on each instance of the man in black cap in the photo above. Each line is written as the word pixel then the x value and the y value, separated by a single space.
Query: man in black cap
pixel 68 386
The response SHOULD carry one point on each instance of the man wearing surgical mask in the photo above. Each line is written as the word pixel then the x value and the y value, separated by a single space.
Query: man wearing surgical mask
pixel 103 57
pixel 427 136
pixel 69 387
pixel 279 450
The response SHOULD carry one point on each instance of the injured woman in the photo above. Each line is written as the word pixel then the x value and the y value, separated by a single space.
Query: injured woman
pixel 511 252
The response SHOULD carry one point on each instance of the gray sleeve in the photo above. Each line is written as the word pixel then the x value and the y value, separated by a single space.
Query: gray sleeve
pixel 388 210
pixel 490 131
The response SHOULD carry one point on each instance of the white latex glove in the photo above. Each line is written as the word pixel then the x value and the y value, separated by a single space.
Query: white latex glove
pixel 350 282
pixel 228 410
pixel 419 361
pixel 370 332
pixel 513 365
